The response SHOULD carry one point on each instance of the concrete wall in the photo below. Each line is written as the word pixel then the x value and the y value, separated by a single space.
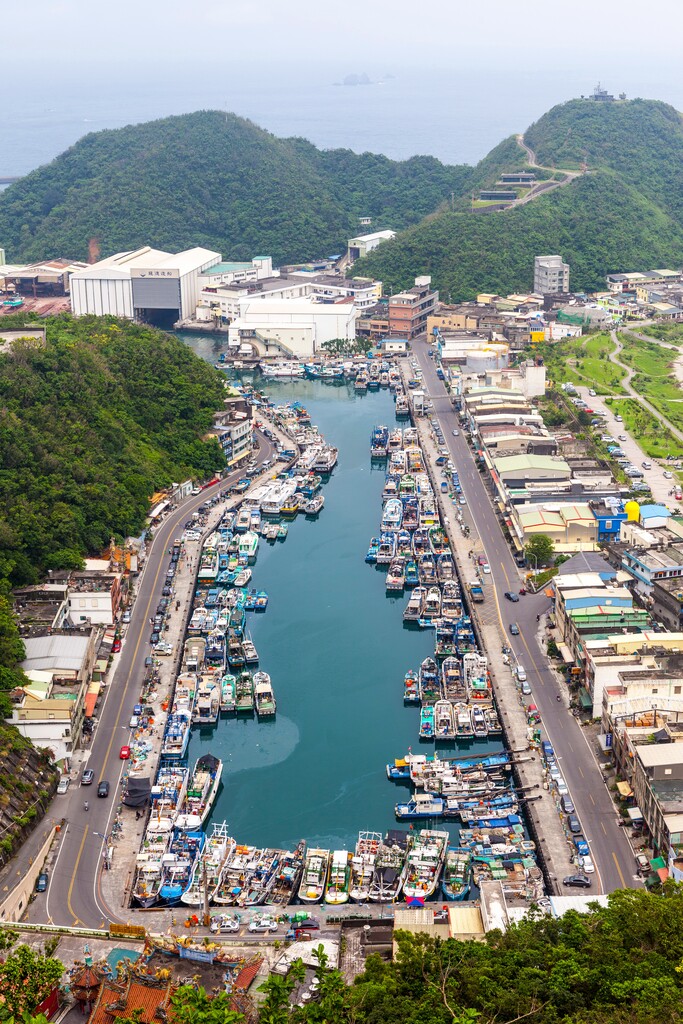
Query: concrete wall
pixel 14 905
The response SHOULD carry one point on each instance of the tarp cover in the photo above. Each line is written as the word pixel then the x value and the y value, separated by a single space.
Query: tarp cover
pixel 137 792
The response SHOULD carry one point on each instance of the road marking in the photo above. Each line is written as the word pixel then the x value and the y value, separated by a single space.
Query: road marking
pixel 592 800
pixel 616 864
pixel 73 877
pixel 581 770
pixel 602 826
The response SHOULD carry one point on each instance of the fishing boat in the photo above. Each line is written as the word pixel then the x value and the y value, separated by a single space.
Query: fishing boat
pixel 326 459
pixel 228 693
pixel 261 601
pixel 378 442
pixel 395 441
pixel 208 702
pixel 455 884
pixel 413 609
pixel 250 652
pixel 427 722
pixel 235 652
pixel 168 791
pixel 396 574
pixel 424 863
pixel 260 880
pixel 176 735
pixel 411 688
pixel 387 876
pixel 479 726
pixel 314 876
pixel 282 531
pixel 426 567
pixel 361 382
pixel 432 604
pixel 412 576
pixel 390 486
pixel 386 549
pixel 445 568
pixel 149 863
pixel 178 864
pixel 243 520
pixel 463 721
pixel 248 546
pixel 363 865
pixel 444 723
pixel 420 806
pixel 392 515
pixel 245 694
pixel 243 577
pixel 410 513
pixel 444 640
pixel 314 506
pixel 208 867
pixel 214 654
pixel 430 688
pixel 202 790
pixel 289 869
pixel 438 540
pixel 236 875
pixel 493 722
pixel 420 543
pixel 263 695
pixel 373 548
pixel 451 601
pixel 403 544
pixel 452 682
pixel 338 878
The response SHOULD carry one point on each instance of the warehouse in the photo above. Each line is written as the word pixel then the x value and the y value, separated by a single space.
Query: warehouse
pixel 145 284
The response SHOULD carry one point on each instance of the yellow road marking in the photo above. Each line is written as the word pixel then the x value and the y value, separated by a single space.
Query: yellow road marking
pixel 616 864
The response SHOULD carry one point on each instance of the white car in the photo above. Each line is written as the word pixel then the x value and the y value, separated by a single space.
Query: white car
pixel 586 864
pixel 62 786
pixel 592 393
pixel 456 433
pixel 264 924
pixel 462 500
pixel 486 569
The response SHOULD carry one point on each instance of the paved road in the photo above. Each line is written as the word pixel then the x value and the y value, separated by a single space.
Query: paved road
pixel 73 896
pixel 610 847
pixel 626 384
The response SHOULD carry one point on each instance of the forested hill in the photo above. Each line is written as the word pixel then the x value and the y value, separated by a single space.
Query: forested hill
pixel 625 213
pixel 91 424
pixel 216 180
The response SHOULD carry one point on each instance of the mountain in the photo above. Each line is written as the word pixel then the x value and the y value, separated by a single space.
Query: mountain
pixel 93 422
pixel 623 210
pixel 215 180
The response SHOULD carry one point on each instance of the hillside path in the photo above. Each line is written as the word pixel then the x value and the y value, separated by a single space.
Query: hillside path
pixel 542 187
pixel 677 364
pixel 626 385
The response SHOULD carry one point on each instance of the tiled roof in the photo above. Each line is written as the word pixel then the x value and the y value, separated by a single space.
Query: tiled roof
pixel 138 997
pixel 246 976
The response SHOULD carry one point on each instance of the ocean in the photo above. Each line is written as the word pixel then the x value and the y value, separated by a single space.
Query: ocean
pixel 457 115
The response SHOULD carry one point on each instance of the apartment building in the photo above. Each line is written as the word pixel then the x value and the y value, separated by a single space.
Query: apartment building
pixel 550 275
pixel 409 310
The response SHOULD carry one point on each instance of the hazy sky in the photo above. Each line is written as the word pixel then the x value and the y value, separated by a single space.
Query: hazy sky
pixel 449 78
pixel 534 34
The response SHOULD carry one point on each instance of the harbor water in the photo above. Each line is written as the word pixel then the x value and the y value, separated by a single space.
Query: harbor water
pixel 337 652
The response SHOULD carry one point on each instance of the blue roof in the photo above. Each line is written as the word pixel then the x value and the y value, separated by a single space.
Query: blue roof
pixel 653 511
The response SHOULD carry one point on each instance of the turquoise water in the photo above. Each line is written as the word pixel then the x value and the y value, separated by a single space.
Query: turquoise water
pixel 336 649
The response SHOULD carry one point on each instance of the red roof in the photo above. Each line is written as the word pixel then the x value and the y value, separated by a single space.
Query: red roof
pixel 246 976
pixel 138 997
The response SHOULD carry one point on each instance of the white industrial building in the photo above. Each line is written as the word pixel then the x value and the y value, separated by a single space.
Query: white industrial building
pixel 146 284
pixel 361 245
pixel 293 327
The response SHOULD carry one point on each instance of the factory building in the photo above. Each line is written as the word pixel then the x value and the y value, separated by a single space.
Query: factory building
pixel 146 284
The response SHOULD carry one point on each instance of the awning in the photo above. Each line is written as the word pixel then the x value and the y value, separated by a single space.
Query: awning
pixel 585 699
pixel 566 654
pixel 624 789
pixel 90 702
pixel 137 792
pixel 156 512
pixel 549 592
pixel 635 814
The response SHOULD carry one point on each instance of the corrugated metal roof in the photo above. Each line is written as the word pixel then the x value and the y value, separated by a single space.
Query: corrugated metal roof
pixel 54 653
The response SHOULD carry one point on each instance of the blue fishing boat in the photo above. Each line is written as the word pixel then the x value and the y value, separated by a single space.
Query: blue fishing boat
pixel 412 577
pixel 420 807
pixel 427 722
pixel 378 442
pixel 456 880
pixel 177 873
pixel 373 548
pixel 502 822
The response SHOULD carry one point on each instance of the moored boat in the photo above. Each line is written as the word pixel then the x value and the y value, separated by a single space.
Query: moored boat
pixel 411 688
pixel 245 694
pixel 263 695
pixel 455 884
pixel 424 863
pixel 314 876
pixel 387 876
pixel 228 693
pixel 444 723
pixel 338 878
pixel 363 865
pixel 202 790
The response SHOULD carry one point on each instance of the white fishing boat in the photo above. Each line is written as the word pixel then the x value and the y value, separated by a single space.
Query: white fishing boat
pixel 363 865
pixel 228 692
pixel 208 702
pixel 387 877
pixel 208 867
pixel 314 506
pixel 424 863
pixel 248 546
pixel 339 878
pixel 201 793
pixel 392 515
pixel 314 876
pixel 413 609
pixel 263 695
pixel 444 723
pixel 149 863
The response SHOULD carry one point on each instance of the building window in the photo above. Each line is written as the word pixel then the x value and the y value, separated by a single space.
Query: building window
pixel 677 689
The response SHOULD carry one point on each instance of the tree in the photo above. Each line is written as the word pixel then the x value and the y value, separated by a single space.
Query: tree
pixel 278 988
pixel 539 549
pixel 193 1006
pixel 26 979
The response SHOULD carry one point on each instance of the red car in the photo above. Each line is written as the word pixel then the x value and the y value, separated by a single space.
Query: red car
pixel 124 753
pixel 116 647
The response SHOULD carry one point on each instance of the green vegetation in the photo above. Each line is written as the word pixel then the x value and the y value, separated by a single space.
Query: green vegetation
pixel 671 333
pixel 653 437
pixel 539 550
pixel 27 977
pixel 216 180
pixel 585 361
pixel 627 213
pixel 645 357
pixel 654 378
pixel 92 424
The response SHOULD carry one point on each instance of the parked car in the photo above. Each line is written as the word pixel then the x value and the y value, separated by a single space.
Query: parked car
pixel 87 777
pixel 592 392
pixel 573 823
pixel 125 617
pixel 116 646
pixel 520 672
pixel 567 804
pixel 511 596
pixel 526 689
pixel 642 864
pixel 514 629
pixel 103 788
pixel 486 569
pixel 124 752
pixel 43 879
pixel 577 881
pixel 667 475
pixel 63 785
pixel 586 864
pixel 263 924
pixel 582 847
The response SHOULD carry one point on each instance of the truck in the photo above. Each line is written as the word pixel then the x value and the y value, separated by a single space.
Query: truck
pixel 475 591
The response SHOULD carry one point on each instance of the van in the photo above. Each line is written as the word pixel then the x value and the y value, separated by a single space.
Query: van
pixel 520 672
pixel 646 465
pixel 547 749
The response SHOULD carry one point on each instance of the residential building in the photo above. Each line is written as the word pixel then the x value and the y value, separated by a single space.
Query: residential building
pixel 605 658
pixel 409 310
pixel 571 526
pixel 361 245
pixel 646 566
pixel 667 602
pixel 233 428
pixel 609 517
pixel 51 707
pixel 550 275
pixel 585 591
pixel 94 597
pixel 144 284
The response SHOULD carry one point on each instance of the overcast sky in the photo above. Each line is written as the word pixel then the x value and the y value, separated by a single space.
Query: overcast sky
pixel 449 78
pixel 535 33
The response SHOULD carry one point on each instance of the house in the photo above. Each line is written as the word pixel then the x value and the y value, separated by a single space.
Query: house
pixel 409 310
pixel 94 597
pixel 571 527
pixel 667 602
